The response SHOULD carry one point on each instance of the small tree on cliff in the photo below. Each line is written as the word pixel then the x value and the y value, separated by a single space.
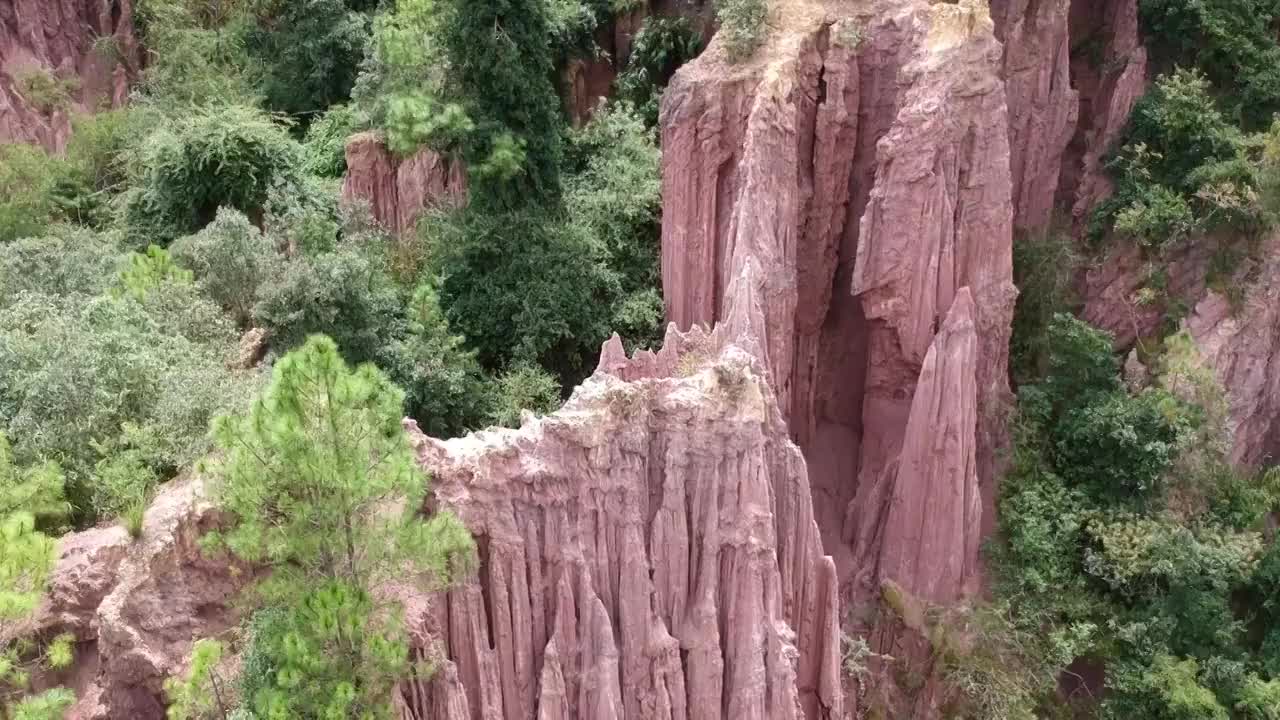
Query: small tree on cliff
pixel 31 501
pixel 322 482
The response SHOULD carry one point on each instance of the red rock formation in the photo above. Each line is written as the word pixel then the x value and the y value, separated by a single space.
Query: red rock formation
pixel 399 189
pixel 1242 344
pixel 136 607
pixel 1109 68
pixel 1043 105
pixel 87 42
pixel 930 528
pixel 1128 294
pixel 649 551
pixel 873 183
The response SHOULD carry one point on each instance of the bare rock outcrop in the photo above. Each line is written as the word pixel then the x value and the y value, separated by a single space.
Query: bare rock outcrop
pixel 136 606
pixel 931 528
pixel 1241 342
pixel 864 161
pixel 649 551
pixel 398 189
pixel 1129 293
pixel 1109 68
pixel 1043 106
pixel 58 57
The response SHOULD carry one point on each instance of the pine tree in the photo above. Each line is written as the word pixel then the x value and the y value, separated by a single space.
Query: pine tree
pixel 322 481
pixel 31 500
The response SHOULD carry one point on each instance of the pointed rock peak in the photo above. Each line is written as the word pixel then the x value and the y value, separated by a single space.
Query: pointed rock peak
pixel 959 317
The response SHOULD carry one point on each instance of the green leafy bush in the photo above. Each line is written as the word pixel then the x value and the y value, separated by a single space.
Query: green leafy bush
pixel 68 262
pixel 28 177
pixel 1119 445
pixel 197 53
pixel 326 142
pixel 1232 41
pixel 444 385
pixel 81 369
pixel 661 46
pixel 742 26
pixel 523 387
pixel 308 51
pixel 45 90
pixel 345 294
pixel 231 260
pixel 615 197
pixel 526 285
pixel 148 271
pixel 225 157
pixel 1044 271
pixel 1183 168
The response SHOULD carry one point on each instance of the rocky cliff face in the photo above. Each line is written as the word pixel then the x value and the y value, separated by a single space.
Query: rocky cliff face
pixel 84 48
pixel 1073 70
pixel 1241 342
pixel 649 551
pixel 683 538
pixel 864 161
pixel 398 189
pixel 136 607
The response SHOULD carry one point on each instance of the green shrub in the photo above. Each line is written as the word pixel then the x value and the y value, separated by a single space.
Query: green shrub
pixel 123 485
pixel 523 387
pixel 1232 41
pixel 308 52
pixel 1180 125
pixel 231 260
pixel 80 369
pixel 1081 364
pixel 742 26
pixel 266 628
pixel 226 157
pixel 1158 217
pixel 1043 269
pixel 1121 446
pixel 326 143
pixel 444 386
pixel 345 294
pixel 197 53
pixel 68 262
pixel 45 90
pixel 615 197
pixel 28 177
pixel 1183 168
pixel 523 285
pixel 661 46
pixel 148 271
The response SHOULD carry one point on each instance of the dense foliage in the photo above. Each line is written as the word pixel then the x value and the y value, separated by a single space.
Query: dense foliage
pixel 1183 169
pixel 314 475
pixel 1233 41
pixel 190 245
pixel 1128 543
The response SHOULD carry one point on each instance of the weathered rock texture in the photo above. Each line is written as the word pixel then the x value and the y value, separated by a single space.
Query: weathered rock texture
pixel 89 43
pixel 1109 68
pixel 136 607
pixel 873 182
pixel 1043 106
pixel 649 551
pixel 397 189
pixel 1129 294
pixel 1242 343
